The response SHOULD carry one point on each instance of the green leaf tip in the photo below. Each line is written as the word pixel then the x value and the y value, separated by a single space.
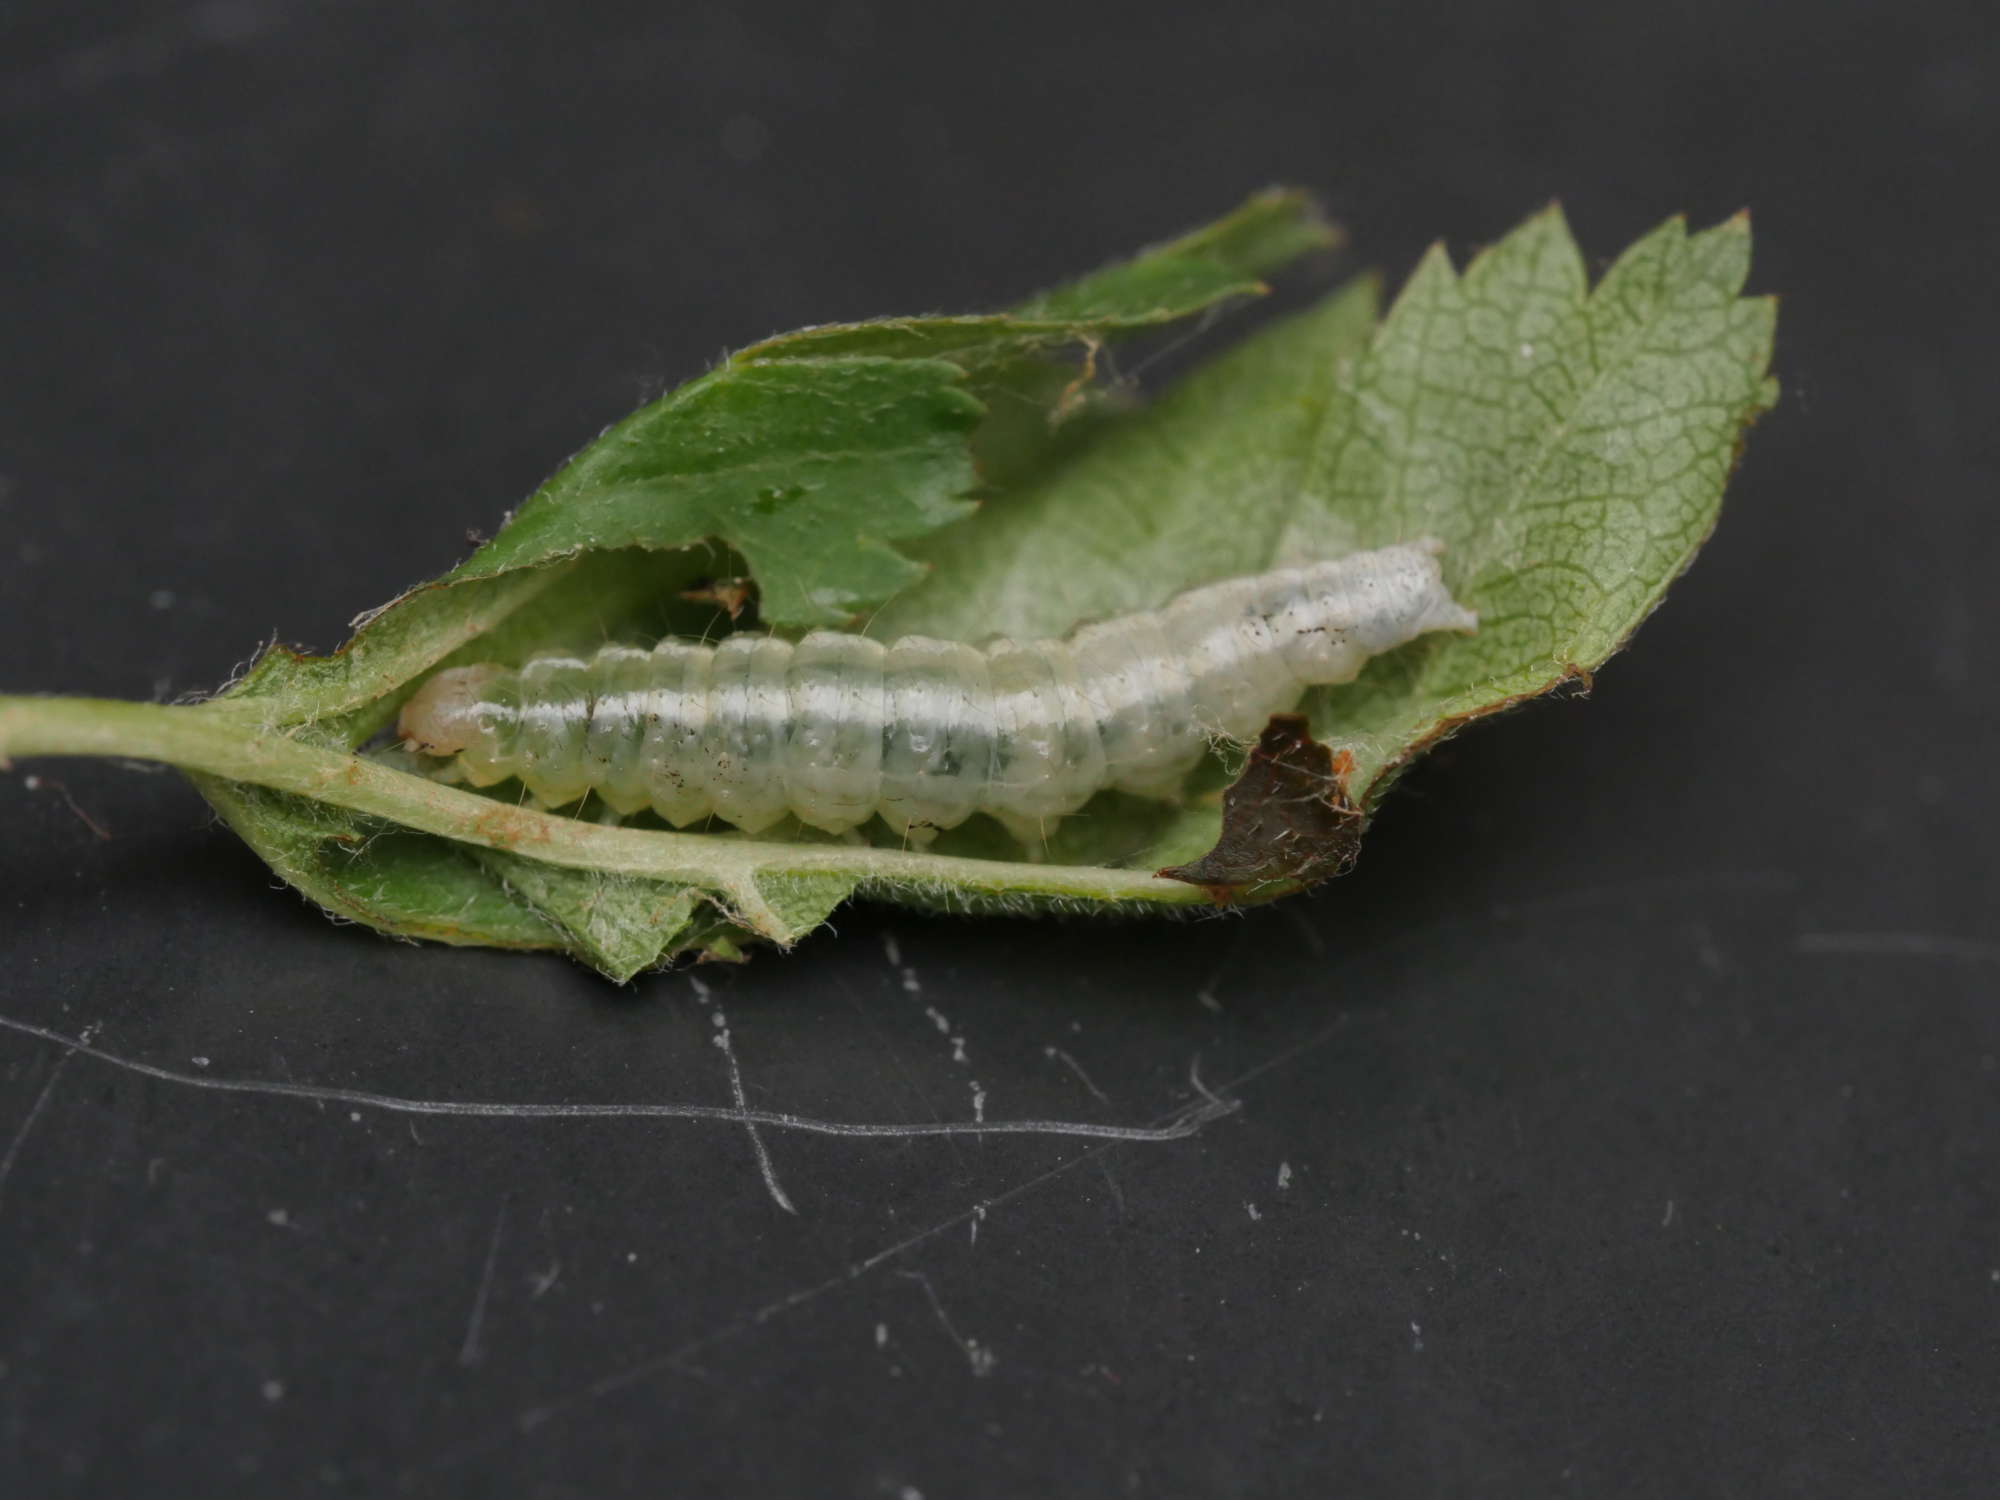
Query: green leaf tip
pixel 966 477
pixel 769 459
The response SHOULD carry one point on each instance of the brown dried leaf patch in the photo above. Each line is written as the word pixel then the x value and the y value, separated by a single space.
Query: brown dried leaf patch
pixel 1287 819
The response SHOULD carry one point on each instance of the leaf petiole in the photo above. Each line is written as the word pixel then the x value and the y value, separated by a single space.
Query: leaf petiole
pixel 230 740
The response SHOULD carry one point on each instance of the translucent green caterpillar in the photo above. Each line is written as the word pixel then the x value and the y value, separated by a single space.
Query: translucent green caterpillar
pixel 836 729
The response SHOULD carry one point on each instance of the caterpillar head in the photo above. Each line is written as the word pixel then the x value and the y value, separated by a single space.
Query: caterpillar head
pixel 442 716
pixel 1433 607
pixel 1400 595
pixel 1359 606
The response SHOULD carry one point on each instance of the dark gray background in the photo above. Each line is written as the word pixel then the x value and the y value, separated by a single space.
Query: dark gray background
pixel 1625 1125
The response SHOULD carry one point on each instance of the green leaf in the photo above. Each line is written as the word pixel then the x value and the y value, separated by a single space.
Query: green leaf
pixel 355 692
pixel 1202 485
pixel 1569 445
pixel 1165 284
pixel 1572 449
pixel 369 870
pixel 618 924
pixel 781 458
pixel 808 468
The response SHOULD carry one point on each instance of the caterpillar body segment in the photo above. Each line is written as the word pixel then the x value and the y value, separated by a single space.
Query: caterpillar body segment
pixel 837 728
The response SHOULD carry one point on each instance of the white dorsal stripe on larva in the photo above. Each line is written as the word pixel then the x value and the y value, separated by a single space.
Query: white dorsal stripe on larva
pixel 837 728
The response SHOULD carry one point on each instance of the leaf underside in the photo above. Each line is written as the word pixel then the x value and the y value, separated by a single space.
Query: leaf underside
pixel 1569 444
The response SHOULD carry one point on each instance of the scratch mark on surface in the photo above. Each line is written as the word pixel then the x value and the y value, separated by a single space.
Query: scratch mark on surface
pixel 41 1103
pixel 1290 1054
pixel 764 1164
pixel 976 1354
pixel 1254 1215
pixel 676 1359
pixel 531 1418
pixel 894 1054
pixel 542 1281
pixel 285 1070
pixel 1667 1217
pixel 705 996
pixel 1194 1082
pixel 1110 1181
pixel 1900 945
pixel 1056 1054
pixel 36 783
pixel 978 1218
pixel 1177 1125
pixel 469 1352
pixel 958 1053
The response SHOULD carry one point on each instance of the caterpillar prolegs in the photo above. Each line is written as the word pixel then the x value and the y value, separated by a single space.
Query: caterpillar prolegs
pixel 836 728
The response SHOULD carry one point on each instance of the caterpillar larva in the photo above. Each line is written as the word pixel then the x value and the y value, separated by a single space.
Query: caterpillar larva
pixel 838 728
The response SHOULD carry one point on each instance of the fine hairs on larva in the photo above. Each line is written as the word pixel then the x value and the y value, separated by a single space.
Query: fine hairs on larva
pixel 836 728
